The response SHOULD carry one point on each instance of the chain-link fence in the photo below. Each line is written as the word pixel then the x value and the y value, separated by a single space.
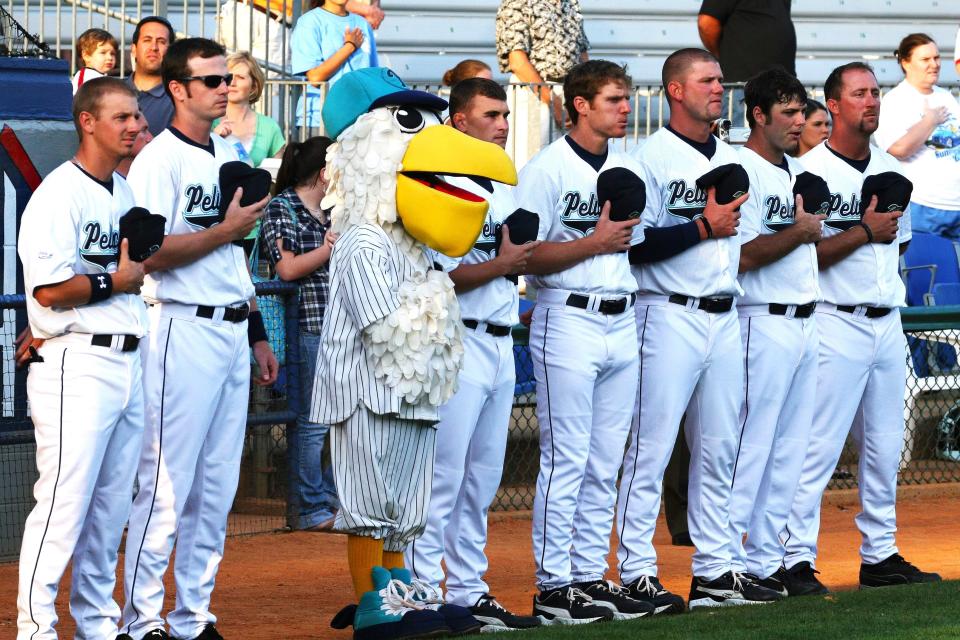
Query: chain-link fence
pixel 931 451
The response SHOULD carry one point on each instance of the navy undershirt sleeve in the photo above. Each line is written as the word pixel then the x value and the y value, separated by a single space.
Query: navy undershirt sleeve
pixel 660 243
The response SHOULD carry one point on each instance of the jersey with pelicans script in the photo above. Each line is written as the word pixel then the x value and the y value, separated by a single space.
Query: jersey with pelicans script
pixel 560 186
pixel 179 179
pixel 870 275
pixel 770 209
pixel 497 301
pixel 71 227
pixel 673 197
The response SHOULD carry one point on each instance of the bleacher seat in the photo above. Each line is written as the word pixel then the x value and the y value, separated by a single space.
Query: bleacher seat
pixel 946 293
pixel 930 260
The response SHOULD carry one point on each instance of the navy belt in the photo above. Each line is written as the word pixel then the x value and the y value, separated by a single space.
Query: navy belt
pixel 129 343
pixel 607 306
pixel 870 312
pixel 498 330
pixel 710 305
pixel 230 314
pixel 800 310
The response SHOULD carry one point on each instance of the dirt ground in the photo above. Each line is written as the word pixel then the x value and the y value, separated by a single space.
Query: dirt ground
pixel 289 585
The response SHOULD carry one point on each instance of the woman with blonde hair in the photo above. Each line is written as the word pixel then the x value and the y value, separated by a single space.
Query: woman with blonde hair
pixel 254 135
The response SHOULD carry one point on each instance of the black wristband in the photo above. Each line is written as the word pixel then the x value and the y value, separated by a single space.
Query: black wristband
pixel 706 226
pixel 101 286
pixel 255 329
pixel 868 231
pixel 355 47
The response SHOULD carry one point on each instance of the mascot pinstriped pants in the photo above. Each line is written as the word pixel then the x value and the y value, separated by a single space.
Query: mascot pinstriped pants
pixel 383 469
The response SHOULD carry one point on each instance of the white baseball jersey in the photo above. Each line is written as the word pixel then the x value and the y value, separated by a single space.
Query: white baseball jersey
pixel 70 227
pixel 793 278
pixel 869 275
pixel 560 187
pixel 180 180
pixel 497 301
pixel 672 168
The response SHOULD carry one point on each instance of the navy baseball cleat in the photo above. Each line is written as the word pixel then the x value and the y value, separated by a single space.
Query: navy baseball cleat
pixel 494 617
pixel 801 580
pixel 727 590
pixel 424 595
pixel 388 613
pixel 568 605
pixel 648 589
pixel 893 571
pixel 616 598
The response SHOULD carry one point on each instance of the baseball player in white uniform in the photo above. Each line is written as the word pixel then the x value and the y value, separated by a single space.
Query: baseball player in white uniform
pixel 472 432
pixel 583 346
pixel 862 368
pixel 778 274
pixel 86 398
pixel 690 351
pixel 196 370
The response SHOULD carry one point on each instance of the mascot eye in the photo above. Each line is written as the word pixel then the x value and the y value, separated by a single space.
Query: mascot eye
pixel 409 119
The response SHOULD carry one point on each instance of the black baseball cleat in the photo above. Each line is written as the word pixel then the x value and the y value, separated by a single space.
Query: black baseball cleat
pixel 156 634
pixel 893 571
pixel 648 589
pixel 616 598
pixel 494 617
pixel 124 636
pixel 209 633
pixel 727 590
pixel 801 580
pixel 568 605
pixel 774 582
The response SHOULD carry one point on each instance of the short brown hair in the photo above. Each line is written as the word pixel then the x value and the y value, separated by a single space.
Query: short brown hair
pixel 463 70
pixel 679 62
pixel 256 73
pixel 908 44
pixel 833 86
pixel 90 39
pixel 91 93
pixel 587 78
pixel 466 90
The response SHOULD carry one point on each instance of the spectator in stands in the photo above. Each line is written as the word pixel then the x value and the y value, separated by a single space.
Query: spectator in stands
pixel 297 239
pixel 97 55
pixel 920 126
pixel 151 37
pixel 466 69
pixel 328 41
pixel 253 135
pixel 748 36
pixel 143 139
pixel 816 129
pixel 539 41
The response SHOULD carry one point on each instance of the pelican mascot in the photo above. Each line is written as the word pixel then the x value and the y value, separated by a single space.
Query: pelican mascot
pixel 391 340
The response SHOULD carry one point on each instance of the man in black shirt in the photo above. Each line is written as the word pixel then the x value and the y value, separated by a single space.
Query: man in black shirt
pixel 748 35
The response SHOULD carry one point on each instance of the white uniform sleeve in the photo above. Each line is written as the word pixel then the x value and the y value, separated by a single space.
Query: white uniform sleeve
pixel 653 210
pixel 446 263
pixel 48 239
pixel 630 163
pixel 538 191
pixel 751 212
pixel 904 228
pixel 155 186
pixel 895 120
pixel 370 295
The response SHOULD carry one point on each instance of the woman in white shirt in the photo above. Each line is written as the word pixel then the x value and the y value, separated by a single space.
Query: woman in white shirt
pixel 920 126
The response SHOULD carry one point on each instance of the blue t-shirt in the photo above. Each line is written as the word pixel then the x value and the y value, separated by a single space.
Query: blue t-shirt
pixel 316 37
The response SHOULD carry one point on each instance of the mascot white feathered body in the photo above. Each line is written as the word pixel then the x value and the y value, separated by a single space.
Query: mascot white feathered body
pixel 391 341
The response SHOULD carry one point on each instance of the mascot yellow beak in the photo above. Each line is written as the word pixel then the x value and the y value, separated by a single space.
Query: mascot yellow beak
pixel 438 214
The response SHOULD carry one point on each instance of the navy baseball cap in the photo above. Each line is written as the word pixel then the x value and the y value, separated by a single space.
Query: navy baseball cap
pixel 357 92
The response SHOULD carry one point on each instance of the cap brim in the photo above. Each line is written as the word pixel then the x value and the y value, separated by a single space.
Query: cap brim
pixel 411 97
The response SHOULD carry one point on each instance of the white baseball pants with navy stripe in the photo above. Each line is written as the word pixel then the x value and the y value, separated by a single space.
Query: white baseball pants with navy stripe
pixel 691 361
pixel 861 380
pixel 586 366
pixel 382 466
pixel 780 384
pixel 471 442
pixel 196 383
pixel 86 403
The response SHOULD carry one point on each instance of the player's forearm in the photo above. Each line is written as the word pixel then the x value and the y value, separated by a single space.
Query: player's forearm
pixel 467 277
pixel 551 257
pixel 832 250
pixel 913 140
pixel 326 69
pixel 65 295
pixel 184 248
pixel 710 30
pixel 764 250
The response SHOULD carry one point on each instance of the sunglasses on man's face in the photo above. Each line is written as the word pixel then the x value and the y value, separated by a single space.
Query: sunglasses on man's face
pixel 211 81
